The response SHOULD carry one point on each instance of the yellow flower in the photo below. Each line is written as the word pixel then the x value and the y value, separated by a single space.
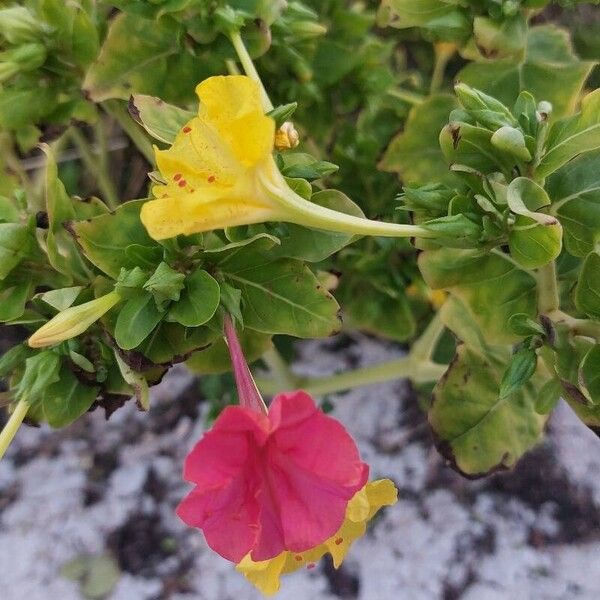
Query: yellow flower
pixel 220 172
pixel 361 509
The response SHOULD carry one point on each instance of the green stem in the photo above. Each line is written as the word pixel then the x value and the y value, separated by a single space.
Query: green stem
pixel 407 96
pixel 583 327
pixel 12 426
pixel 419 372
pixel 548 299
pixel 279 369
pixel 443 53
pixel 95 165
pixel 423 348
pixel 249 68
pixel 116 110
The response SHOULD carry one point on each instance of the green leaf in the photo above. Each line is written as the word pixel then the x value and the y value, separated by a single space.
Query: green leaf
pixel 533 245
pixel 63 253
pixel 415 152
pixel 572 136
pixel 304 166
pixel 137 318
pixel 549 70
pixel 20 107
pixel 199 300
pixel 370 309
pixel 500 39
pixel 512 141
pixel 170 343
pixel 215 359
pixel 471 146
pixel 484 109
pixel 548 397
pixel 64 401
pixel 40 371
pixel 520 370
pixel 15 242
pixel 282 113
pixel 165 285
pixel 589 374
pixel 477 431
pixel 13 357
pixel 107 252
pixel 84 39
pixel 535 238
pixel 575 193
pixel 440 19
pixel 283 297
pixel 60 299
pixel 137 381
pixel 587 292
pixel 314 245
pixel 489 284
pixel 455 231
pixel 13 297
pixel 161 120
pixel 522 325
pixel 134 58
pixel 231 299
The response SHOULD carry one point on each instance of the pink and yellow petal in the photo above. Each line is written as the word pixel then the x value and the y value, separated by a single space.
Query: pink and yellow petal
pixel 265 575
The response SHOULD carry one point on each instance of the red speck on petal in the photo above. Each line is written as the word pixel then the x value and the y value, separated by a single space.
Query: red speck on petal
pixel 311 566
pixel 182 183
pixel 177 176
pixel 187 129
pixel 211 179
pixel 298 557
pixel 339 541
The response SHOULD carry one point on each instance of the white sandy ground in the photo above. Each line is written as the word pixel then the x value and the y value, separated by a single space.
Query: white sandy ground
pixel 439 542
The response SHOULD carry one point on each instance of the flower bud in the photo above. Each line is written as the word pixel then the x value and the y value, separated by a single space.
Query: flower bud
pixel 304 30
pixel 24 58
pixel 286 137
pixel 18 25
pixel 73 321
pixel 483 108
pixel 544 110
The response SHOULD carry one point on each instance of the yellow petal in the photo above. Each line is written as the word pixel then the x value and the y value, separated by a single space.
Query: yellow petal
pixel 381 493
pixel 211 170
pixel 265 574
pixel 201 211
pixel 231 104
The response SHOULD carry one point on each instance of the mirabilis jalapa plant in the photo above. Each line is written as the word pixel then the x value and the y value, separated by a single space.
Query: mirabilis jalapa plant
pixel 239 238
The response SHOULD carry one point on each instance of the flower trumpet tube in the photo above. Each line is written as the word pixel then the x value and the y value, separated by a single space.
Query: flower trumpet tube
pixel 72 321
pixel 220 172
pixel 277 488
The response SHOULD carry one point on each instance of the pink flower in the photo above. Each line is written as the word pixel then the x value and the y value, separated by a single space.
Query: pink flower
pixel 267 483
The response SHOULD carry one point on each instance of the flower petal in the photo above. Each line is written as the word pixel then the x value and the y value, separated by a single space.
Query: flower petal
pixel 231 104
pixel 265 575
pixel 201 211
pixel 313 470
